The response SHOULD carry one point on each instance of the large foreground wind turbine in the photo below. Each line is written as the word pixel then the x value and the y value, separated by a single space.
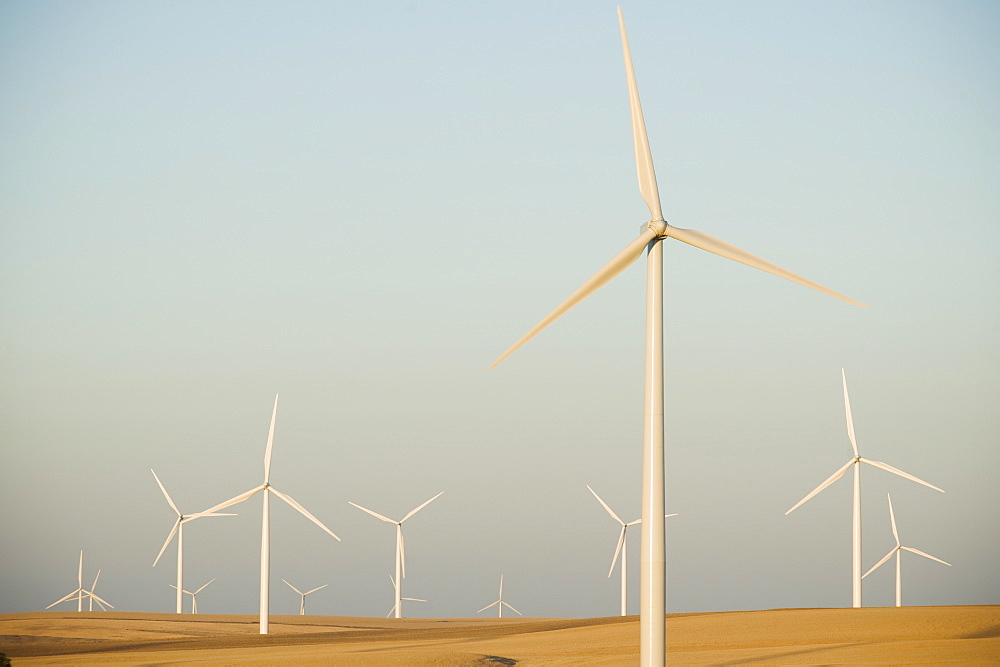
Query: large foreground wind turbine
pixel 82 592
pixel 178 529
pixel 653 568
pixel 856 462
pixel 194 596
pixel 265 542
pixel 895 551
pixel 499 604
pixel 397 583
pixel 302 601
pixel 622 548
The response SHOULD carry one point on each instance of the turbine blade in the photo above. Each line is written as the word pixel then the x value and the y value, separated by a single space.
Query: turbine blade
pixel 63 599
pixel 643 157
pixel 204 586
pixel 270 442
pixel 165 494
pixel 897 471
pixel 374 514
pixel 94 587
pixel 892 519
pixel 501 587
pixel 315 589
pixel 101 601
pixel 421 507
pixel 850 419
pixel 201 515
pixel 414 599
pixel 79 572
pixel 830 480
pixel 233 501
pixel 512 608
pixel 605 505
pixel 100 604
pixel 723 249
pixel 880 563
pixel 293 587
pixel 619 263
pixel 618 549
pixel 302 510
pixel 488 606
pixel 173 531
pixel 921 553
pixel 402 550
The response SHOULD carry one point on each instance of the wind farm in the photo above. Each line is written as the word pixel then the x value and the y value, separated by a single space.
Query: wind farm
pixel 197 208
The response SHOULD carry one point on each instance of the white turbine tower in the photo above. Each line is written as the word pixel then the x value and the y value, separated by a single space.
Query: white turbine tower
pixel 397 583
pixel 391 611
pixel 622 548
pixel 499 604
pixel 178 529
pixel 856 462
pixel 265 548
pixel 302 602
pixel 653 566
pixel 194 596
pixel 82 592
pixel 895 551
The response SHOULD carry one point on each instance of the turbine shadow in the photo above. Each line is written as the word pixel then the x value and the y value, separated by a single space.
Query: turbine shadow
pixel 775 658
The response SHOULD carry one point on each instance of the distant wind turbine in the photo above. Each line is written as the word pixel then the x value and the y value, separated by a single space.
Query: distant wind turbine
pixel 302 601
pixel 856 462
pixel 82 592
pixel 194 596
pixel 397 583
pixel 652 648
pixel 895 551
pixel 265 549
pixel 93 596
pixel 178 529
pixel 621 548
pixel 500 604
pixel 391 611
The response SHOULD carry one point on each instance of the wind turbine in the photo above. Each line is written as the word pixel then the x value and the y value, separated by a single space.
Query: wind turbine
pixel 265 548
pixel 895 551
pixel 856 462
pixel 410 599
pixel 302 603
pixel 397 583
pixel 500 603
pixel 194 596
pixel 82 592
pixel 178 529
pixel 93 596
pixel 621 548
pixel 653 565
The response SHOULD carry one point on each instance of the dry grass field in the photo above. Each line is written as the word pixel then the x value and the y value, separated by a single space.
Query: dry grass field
pixel 909 635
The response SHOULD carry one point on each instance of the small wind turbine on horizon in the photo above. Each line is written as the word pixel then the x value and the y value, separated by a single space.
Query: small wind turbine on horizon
pixel 621 548
pixel 194 596
pixel 265 542
pixel 302 601
pixel 93 595
pixel 895 551
pixel 402 598
pixel 178 529
pixel 397 583
pixel 856 462
pixel 500 603
pixel 82 592
pixel 652 642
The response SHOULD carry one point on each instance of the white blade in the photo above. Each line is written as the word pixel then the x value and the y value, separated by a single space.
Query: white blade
pixel 165 494
pixel 850 419
pixel 921 553
pixel 293 587
pixel 183 590
pixel 173 531
pixel 619 263
pixel 501 587
pixel 665 516
pixel 201 515
pixel 94 587
pixel 605 505
pixel 421 507
pixel 512 609
pixel 618 549
pixel 233 501
pixel 374 514
pixel 319 587
pixel 63 599
pixel 723 249
pixel 101 601
pixel 79 572
pixel 830 480
pixel 391 611
pixel 892 519
pixel 643 157
pixel 897 471
pixel 270 442
pixel 488 606
pixel 414 599
pixel 205 586
pixel 302 510
pixel 880 563
pixel 402 549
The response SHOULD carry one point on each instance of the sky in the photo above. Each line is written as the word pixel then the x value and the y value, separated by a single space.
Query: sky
pixel 359 206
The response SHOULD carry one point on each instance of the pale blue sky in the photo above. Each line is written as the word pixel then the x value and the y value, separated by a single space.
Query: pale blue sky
pixel 361 205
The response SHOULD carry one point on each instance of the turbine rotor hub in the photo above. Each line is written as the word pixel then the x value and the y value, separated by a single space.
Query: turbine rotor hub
pixel 659 226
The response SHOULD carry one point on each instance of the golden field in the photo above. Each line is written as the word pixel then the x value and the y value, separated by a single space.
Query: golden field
pixel 966 635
